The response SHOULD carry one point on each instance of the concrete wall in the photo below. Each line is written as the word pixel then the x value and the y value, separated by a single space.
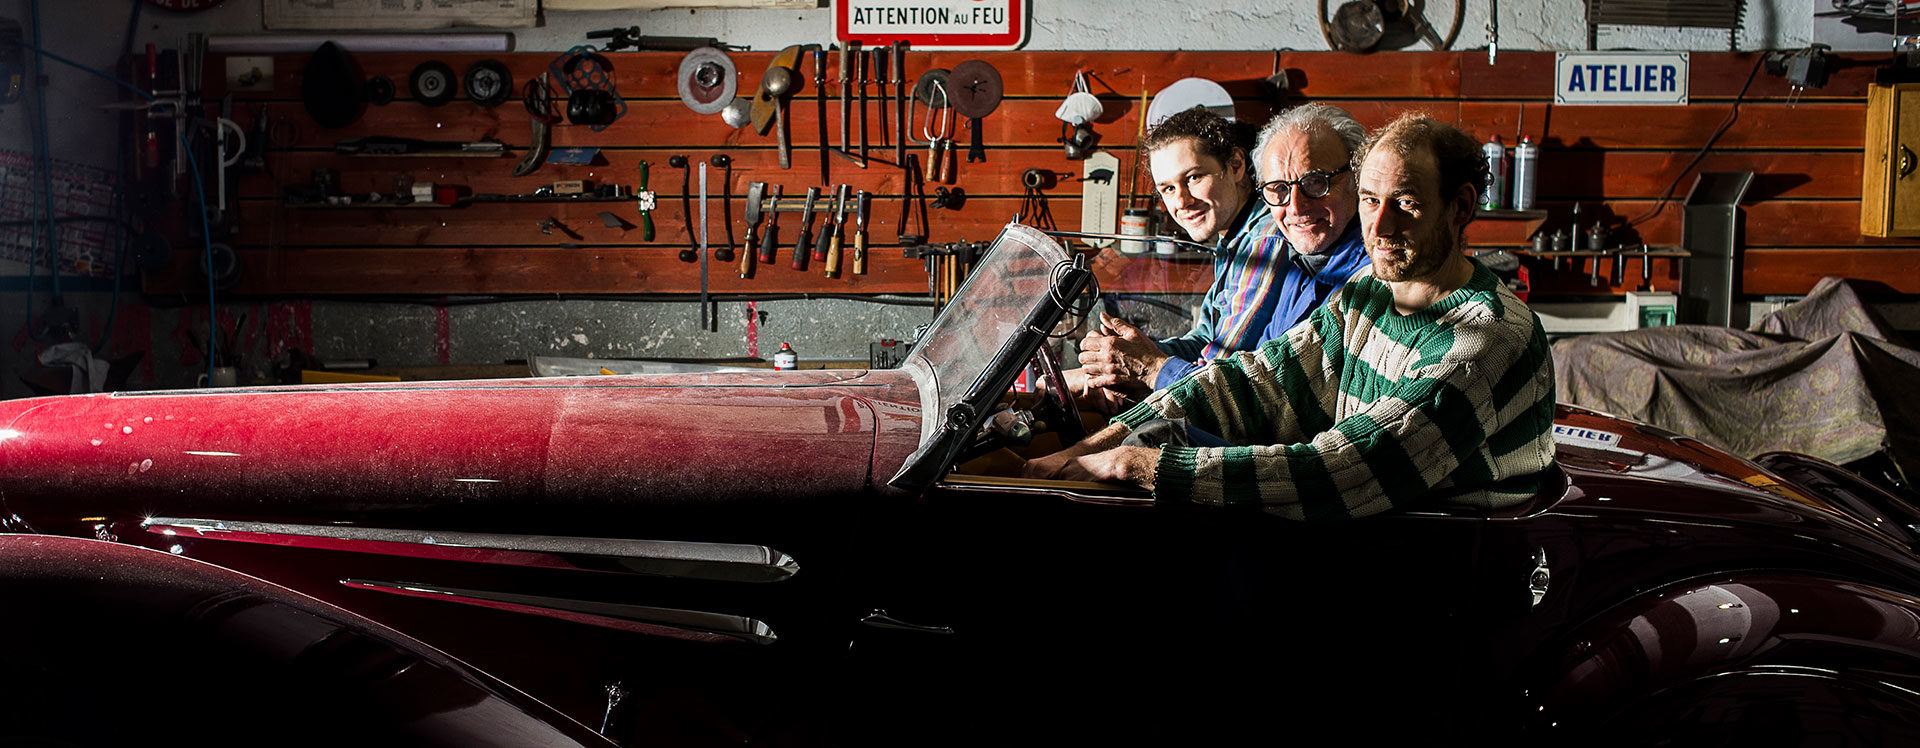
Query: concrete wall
pixel 93 32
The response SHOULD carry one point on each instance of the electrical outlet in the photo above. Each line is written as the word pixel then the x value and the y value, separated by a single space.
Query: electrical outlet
pixel 249 74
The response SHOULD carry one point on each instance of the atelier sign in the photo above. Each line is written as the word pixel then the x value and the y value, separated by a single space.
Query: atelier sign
pixel 933 24
pixel 1589 438
pixel 1631 78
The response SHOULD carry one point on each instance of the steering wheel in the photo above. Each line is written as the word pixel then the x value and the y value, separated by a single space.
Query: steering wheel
pixel 1059 401
pixel 1367 25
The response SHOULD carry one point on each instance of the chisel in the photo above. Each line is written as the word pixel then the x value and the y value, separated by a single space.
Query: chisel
pixel 900 102
pixel 860 234
pixel 754 190
pixel 879 70
pixel 820 98
pixel 802 251
pixel 864 72
pixel 826 230
pixel 846 100
pixel 769 246
pixel 839 225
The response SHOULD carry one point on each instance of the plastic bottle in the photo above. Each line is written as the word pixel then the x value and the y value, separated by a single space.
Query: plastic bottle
pixel 1496 154
pixel 1526 164
pixel 786 359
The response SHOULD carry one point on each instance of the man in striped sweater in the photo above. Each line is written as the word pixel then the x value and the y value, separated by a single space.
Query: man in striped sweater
pixel 1428 381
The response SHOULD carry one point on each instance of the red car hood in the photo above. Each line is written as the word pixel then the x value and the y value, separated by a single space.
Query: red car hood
pixel 579 441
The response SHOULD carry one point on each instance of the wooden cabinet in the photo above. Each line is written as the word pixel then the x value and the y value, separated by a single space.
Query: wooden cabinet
pixel 1890 188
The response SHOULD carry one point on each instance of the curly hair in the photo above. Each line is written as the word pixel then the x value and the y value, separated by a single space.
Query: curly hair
pixel 1215 135
pixel 1455 153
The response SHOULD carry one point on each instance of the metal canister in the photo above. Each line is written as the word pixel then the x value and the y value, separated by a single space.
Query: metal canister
pixel 1526 164
pixel 1494 198
pixel 1134 222
pixel 786 359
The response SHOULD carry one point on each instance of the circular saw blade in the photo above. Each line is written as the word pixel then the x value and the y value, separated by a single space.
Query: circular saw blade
pixel 707 80
pixel 975 87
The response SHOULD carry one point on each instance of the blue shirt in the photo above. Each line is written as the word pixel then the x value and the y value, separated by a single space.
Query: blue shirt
pixel 1258 293
pixel 1301 292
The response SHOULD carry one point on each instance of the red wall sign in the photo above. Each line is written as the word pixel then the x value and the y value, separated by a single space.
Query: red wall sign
pixel 933 24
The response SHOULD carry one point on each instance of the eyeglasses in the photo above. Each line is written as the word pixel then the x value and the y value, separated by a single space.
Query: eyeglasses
pixel 1313 184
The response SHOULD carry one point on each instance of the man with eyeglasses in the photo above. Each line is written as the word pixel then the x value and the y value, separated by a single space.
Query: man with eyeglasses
pixel 1275 265
pixel 1428 381
pixel 1306 172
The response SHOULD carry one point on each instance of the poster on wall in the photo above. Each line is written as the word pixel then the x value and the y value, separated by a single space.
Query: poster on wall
pixel 389 15
pixel 87 248
pixel 1864 25
pixel 933 24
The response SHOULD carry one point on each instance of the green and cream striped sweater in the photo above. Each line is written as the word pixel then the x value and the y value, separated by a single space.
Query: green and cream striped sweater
pixel 1360 409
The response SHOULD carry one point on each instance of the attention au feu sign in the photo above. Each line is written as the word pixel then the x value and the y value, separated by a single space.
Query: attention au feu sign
pixel 933 24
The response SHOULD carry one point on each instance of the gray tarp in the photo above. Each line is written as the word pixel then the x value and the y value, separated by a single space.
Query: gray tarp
pixel 1824 376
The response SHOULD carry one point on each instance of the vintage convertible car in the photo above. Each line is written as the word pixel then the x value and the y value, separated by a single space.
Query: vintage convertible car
pixel 846 558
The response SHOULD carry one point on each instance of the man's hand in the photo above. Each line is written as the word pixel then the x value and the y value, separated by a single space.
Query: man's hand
pixel 1136 465
pixel 1099 457
pixel 1120 357
pixel 1094 399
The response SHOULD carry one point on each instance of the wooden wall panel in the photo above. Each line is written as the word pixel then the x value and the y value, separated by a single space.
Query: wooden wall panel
pixel 1794 271
pixel 1801 219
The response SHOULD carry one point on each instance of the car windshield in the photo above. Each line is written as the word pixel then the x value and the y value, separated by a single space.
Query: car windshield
pixel 1013 276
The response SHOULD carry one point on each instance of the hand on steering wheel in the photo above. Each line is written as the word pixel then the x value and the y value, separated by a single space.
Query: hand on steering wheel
pixel 1059 399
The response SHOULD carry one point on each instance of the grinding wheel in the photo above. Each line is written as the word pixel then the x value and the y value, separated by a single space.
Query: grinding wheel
pixel 433 83
pixel 488 83
pixel 707 80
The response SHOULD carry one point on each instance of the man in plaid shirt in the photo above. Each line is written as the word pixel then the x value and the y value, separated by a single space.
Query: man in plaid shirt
pixel 1427 381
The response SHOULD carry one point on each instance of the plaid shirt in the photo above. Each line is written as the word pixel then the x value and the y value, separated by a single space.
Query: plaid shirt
pixel 1361 409
pixel 1240 303
pixel 1259 292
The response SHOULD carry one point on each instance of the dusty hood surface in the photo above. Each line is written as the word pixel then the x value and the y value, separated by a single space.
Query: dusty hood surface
pixel 586 441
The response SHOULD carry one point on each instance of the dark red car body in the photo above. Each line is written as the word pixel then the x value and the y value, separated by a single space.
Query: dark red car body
pixel 720 560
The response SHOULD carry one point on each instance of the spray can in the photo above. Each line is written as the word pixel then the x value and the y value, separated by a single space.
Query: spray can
pixel 1496 154
pixel 786 359
pixel 1526 165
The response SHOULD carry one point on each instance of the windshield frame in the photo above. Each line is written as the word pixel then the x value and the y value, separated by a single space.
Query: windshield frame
pixel 983 303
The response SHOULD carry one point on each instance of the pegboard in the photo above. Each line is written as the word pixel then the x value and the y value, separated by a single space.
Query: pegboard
pixel 1614 161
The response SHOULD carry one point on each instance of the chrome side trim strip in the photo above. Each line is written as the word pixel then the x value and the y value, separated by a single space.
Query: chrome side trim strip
pixel 690 625
pixel 724 562
pixel 1114 499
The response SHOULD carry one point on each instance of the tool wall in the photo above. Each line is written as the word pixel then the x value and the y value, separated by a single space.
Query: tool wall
pixel 1802 220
